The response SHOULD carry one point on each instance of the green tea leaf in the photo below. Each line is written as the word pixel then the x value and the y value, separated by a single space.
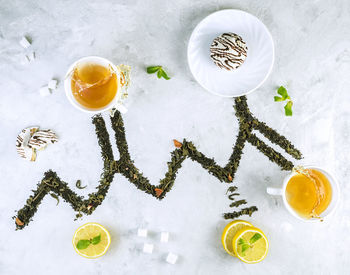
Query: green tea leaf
pixel 82 244
pixel 96 239
pixel 164 74
pixel 245 247
pixel 283 92
pixel 55 197
pixel 288 108
pixel 159 73
pixel 255 237
pixel 278 98
pixel 78 185
pixel 153 69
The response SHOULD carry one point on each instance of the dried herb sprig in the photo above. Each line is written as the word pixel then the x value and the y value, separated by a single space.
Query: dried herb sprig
pixel 125 166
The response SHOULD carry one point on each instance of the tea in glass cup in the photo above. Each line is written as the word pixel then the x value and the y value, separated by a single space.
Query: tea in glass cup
pixel 309 193
pixel 94 84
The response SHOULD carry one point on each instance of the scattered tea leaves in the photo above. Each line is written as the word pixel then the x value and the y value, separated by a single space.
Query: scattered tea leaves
pixel 78 185
pixel 231 189
pixel 238 203
pixel 231 196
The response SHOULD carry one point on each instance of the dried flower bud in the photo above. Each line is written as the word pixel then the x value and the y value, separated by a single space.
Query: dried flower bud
pixel 177 144
pixel 19 222
pixel 158 192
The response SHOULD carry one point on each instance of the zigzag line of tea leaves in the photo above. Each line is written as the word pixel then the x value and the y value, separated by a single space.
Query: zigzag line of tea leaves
pixel 125 166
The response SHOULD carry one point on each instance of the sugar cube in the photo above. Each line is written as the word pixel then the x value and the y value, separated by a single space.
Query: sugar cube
pixel 31 56
pixel 142 232
pixel 44 91
pixel 52 84
pixel 171 258
pixel 164 237
pixel 148 248
pixel 24 42
pixel 26 59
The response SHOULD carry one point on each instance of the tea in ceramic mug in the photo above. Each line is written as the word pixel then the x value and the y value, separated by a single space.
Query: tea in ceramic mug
pixel 308 193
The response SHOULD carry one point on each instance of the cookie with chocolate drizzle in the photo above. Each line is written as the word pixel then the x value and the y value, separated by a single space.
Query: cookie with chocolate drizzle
pixel 228 51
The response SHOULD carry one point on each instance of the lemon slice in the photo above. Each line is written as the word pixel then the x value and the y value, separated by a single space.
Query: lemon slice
pixel 250 245
pixel 230 231
pixel 89 231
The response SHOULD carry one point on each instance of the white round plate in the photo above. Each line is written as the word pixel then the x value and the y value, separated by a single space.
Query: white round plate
pixel 255 69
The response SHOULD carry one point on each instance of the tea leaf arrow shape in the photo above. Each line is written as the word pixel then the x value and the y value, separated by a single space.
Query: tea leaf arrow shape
pixel 125 165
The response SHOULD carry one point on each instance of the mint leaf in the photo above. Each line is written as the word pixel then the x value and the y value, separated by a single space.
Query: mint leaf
pixel 288 108
pixel 255 237
pixel 159 70
pixel 283 92
pixel 278 98
pixel 245 247
pixel 82 244
pixel 153 69
pixel 96 239
pixel 164 75
pixel 241 241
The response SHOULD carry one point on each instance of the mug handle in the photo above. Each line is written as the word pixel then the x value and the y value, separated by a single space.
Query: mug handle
pixel 274 191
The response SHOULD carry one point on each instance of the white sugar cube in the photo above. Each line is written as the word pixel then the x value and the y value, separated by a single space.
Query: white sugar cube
pixel 172 258
pixel 44 91
pixel 24 42
pixel 31 56
pixel 52 84
pixel 148 248
pixel 164 237
pixel 141 232
pixel 26 59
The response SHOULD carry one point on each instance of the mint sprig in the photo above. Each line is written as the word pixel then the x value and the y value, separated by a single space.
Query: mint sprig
pixel 247 245
pixel 83 244
pixel 284 96
pixel 255 237
pixel 159 70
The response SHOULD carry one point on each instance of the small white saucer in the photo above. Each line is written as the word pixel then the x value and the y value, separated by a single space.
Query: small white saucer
pixel 255 69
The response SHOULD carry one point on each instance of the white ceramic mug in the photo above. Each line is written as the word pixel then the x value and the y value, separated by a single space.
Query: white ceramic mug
pixel 123 75
pixel 331 207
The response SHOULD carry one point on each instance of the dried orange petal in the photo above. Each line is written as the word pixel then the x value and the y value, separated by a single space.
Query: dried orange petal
pixel 19 222
pixel 158 192
pixel 177 144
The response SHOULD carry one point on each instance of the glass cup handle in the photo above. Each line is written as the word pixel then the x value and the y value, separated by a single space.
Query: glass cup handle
pixel 274 191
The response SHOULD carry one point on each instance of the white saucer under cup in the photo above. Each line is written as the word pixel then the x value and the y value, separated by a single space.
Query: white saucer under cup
pixel 255 69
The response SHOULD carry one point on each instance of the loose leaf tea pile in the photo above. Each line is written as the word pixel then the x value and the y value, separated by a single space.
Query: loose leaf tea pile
pixel 52 184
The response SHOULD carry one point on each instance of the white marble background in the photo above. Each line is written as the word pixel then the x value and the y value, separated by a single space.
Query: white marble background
pixel 312 40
